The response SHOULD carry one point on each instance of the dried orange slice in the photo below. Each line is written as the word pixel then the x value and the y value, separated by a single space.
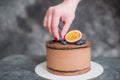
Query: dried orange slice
pixel 73 36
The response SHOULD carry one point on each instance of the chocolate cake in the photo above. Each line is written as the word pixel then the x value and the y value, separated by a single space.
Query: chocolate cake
pixel 69 59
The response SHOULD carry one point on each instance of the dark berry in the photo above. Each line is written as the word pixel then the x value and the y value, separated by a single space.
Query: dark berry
pixel 80 42
pixel 52 41
pixel 84 41
pixel 63 42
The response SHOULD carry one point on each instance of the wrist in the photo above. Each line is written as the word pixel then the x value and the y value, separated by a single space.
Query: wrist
pixel 72 3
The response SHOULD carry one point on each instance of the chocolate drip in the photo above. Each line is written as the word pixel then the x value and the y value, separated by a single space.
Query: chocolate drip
pixel 74 71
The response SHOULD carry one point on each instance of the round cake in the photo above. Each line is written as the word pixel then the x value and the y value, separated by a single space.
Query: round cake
pixel 69 59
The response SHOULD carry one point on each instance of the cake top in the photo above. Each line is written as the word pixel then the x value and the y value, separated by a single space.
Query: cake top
pixel 59 45
pixel 73 40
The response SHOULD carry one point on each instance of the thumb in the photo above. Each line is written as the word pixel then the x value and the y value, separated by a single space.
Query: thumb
pixel 65 30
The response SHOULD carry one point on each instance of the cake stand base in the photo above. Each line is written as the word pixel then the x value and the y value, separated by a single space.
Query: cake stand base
pixel 96 70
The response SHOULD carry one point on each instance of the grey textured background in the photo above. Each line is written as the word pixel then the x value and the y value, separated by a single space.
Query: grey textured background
pixel 22 32
pixel 22 36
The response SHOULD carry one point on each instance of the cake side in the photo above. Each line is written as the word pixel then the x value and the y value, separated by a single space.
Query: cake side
pixel 68 59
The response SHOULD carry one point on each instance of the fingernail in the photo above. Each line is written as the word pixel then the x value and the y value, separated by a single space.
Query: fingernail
pixel 56 38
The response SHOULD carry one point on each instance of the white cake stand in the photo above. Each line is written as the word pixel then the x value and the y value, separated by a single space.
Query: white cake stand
pixel 96 70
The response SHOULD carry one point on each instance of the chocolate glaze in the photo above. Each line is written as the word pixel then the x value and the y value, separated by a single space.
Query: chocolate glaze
pixel 59 46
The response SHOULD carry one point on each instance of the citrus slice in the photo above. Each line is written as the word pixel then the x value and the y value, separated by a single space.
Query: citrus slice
pixel 73 36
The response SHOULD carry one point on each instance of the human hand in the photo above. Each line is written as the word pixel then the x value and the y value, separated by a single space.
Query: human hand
pixel 64 12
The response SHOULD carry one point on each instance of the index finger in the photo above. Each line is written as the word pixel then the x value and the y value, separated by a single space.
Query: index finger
pixel 55 23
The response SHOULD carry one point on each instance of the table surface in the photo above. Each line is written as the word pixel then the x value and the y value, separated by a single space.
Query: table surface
pixel 21 67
